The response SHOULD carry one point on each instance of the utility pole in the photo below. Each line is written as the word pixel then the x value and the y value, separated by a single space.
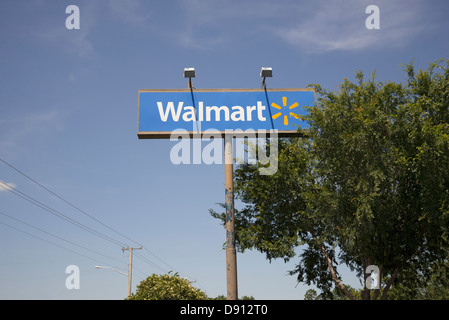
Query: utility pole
pixel 130 266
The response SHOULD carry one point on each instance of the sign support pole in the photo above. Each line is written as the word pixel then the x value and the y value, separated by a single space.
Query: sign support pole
pixel 231 257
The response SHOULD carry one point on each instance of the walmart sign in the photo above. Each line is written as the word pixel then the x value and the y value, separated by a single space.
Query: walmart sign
pixel 160 112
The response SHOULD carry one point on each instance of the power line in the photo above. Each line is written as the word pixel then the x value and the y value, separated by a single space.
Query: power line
pixel 64 200
pixel 43 206
pixel 154 255
pixel 58 237
pixel 49 209
pixel 162 269
pixel 62 216
pixel 149 262
pixel 50 242
pixel 82 211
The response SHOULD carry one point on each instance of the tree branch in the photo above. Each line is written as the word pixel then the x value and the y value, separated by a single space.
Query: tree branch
pixel 334 275
pixel 389 283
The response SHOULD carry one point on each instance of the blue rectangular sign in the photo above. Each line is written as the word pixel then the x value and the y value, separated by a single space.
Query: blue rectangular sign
pixel 160 112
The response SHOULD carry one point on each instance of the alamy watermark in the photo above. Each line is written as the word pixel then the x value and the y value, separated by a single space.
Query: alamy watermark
pixel 73 280
pixel 372 281
pixel 73 20
pixel 373 20
pixel 206 147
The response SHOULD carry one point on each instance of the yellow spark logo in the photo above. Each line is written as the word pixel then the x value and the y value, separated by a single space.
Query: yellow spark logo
pixel 284 102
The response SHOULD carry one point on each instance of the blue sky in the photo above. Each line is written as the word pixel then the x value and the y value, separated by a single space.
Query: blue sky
pixel 68 119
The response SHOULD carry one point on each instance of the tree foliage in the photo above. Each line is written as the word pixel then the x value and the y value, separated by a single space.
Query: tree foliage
pixel 167 287
pixel 368 186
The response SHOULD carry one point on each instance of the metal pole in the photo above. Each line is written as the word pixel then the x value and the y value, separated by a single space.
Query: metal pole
pixel 231 258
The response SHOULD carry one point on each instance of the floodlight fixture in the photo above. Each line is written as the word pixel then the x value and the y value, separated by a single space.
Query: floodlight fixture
pixel 264 73
pixel 189 73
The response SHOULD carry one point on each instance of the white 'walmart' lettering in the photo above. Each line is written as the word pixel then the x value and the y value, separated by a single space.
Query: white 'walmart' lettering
pixel 237 113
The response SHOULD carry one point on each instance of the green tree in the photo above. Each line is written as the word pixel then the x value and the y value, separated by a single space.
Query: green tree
pixel 167 287
pixel 368 186
pixel 336 294
pixel 435 287
pixel 223 297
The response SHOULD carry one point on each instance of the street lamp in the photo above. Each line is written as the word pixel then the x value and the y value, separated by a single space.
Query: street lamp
pixel 129 286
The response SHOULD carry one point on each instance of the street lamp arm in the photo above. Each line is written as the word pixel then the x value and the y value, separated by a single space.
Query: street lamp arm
pixel 101 267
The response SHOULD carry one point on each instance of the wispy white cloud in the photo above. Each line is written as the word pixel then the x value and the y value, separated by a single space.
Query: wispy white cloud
pixel 209 23
pixel 5 186
pixel 70 41
pixel 131 12
pixel 340 26
pixel 310 27
pixel 52 30
pixel 15 132
pixel 80 42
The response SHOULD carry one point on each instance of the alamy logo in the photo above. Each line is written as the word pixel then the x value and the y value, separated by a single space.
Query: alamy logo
pixel 73 280
pixel 192 151
pixel 73 20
